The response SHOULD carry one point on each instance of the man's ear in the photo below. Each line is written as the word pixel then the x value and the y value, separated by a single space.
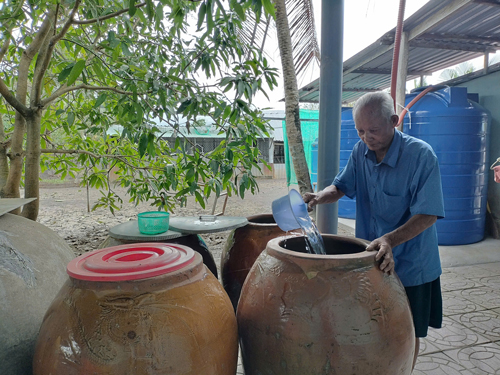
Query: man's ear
pixel 394 120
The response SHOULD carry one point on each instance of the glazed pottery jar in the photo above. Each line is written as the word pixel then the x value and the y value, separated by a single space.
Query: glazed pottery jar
pixel 306 314
pixel 243 247
pixel 147 308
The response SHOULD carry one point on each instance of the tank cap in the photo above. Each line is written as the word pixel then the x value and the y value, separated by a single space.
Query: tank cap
pixel 130 262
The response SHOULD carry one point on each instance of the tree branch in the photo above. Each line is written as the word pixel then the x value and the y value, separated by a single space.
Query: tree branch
pixel 65 89
pixel 45 54
pixel 102 60
pixel 12 100
pixel 66 25
pixel 106 17
pixel 122 158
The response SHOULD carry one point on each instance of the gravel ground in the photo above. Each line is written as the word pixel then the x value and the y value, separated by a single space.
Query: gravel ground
pixel 64 209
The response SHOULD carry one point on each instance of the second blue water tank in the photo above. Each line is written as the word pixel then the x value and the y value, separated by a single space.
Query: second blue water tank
pixel 458 131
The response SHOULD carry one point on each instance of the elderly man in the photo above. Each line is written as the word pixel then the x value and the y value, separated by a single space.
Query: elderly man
pixel 396 181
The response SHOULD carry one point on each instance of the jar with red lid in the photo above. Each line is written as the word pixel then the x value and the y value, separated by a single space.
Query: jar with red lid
pixel 146 308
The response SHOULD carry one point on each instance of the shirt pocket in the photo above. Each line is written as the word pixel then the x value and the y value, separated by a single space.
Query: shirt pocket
pixel 391 208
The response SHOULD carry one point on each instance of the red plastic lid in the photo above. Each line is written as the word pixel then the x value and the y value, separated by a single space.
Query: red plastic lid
pixel 130 262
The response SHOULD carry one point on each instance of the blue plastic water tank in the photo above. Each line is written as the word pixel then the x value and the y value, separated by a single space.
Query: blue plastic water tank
pixel 458 131
pixel 348 138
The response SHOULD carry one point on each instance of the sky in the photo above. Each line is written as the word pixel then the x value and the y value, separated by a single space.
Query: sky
pixel 365 21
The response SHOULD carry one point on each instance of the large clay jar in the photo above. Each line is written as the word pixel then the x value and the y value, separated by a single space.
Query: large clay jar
pixel 139 309
pixel 304 314
pixel 33 261
pixel 242 249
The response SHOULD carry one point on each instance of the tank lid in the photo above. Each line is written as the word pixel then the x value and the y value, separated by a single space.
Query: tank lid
pixel 130 262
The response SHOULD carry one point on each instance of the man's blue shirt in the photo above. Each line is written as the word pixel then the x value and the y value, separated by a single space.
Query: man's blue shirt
pixel 406 183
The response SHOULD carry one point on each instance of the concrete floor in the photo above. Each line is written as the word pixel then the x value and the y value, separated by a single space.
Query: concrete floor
pixel 469 341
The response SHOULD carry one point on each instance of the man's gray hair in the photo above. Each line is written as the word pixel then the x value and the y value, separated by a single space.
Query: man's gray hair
pixel 381 103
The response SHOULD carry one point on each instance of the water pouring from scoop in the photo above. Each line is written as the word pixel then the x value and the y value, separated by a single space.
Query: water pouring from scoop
pixel 290 213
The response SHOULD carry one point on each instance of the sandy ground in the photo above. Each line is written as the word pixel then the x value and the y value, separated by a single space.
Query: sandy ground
pixel 64 209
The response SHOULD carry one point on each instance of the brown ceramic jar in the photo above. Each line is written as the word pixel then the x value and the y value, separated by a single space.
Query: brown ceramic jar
pixel 243 247
pixel 141 309
pixel 308 314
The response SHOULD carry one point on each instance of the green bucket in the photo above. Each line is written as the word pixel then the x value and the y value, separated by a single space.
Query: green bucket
pixel 153 222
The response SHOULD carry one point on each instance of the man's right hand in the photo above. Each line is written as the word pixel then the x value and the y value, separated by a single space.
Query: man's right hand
pixel 311 199
pixel 330 194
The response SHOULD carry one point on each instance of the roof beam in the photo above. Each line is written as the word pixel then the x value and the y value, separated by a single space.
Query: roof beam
pixel 388 72
pixel 423 43
pixel 303 93
pixel 347 89
pixel 461 38
pixel 372 57
pixel 494 3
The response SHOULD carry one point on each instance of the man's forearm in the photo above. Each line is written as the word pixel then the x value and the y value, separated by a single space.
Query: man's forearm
pixel 330 194
pixel 412 228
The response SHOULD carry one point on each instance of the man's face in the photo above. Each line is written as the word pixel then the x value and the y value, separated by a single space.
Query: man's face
pixel 376 133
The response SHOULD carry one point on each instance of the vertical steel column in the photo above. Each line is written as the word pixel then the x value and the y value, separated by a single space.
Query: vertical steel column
pixel 330 103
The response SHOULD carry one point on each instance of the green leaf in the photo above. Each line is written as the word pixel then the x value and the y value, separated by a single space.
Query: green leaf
pixel 100 100
pixel 201 15
pixel 131 8
pixel 65 72
pixel 113 42
pixel 241 88
pixel 214 166
pixel 209 16
pixel 239 11
pixel 200 199
pixel 159 15
pixel 227 175
pixel 143 144
pixel 242 190
pixel 75 72
pixel 125 49
pixel 269 7
pixel 70 119
pixel 150 9
pixel 139 113
pixel 184 105
pixel 190 175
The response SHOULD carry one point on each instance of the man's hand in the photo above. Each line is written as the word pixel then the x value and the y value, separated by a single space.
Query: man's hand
pixel 311 199
pixel 330 194
pixel 384 248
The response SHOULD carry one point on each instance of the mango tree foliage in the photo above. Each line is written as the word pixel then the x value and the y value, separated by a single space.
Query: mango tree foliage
pixel 70 71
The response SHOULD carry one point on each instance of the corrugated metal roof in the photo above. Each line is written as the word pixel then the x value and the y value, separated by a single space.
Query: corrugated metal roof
pixel 441 34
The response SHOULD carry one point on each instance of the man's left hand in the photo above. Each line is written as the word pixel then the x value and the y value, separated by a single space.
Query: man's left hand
pixel 384 251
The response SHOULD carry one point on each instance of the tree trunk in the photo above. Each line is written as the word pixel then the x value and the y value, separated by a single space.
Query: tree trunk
pixel 4 162
pixel 32 166
pixel 292 115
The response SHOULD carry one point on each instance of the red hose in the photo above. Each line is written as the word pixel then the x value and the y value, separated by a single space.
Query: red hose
pixel 416 99
pixel 395 56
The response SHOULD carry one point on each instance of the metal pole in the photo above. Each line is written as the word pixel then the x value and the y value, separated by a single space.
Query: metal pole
pixel 330 103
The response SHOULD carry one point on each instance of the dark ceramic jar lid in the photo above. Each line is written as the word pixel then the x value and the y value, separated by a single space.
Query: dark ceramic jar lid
pixel 130 262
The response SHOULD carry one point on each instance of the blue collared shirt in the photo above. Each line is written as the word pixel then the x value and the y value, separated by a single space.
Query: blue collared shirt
pixel 406 183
